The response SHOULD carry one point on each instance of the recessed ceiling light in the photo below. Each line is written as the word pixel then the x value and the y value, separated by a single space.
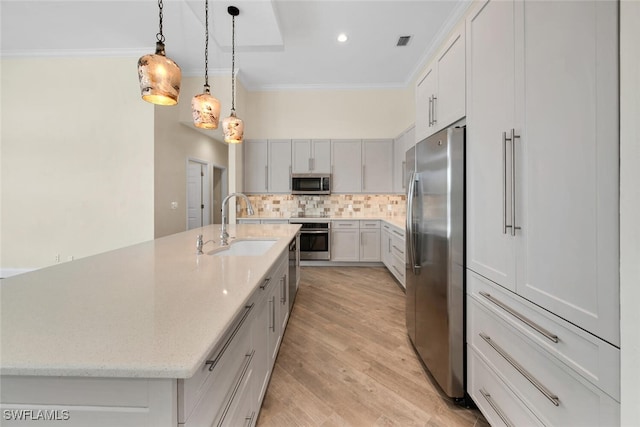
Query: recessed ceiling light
pixel 342 37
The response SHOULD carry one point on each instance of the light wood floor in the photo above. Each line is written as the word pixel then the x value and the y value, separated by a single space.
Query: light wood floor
pixel 346 360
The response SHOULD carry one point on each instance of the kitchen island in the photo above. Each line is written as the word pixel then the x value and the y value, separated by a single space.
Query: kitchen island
pixel 128 337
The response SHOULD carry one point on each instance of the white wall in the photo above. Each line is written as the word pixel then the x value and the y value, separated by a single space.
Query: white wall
pixel 630 211
pixel 77 159
pixel 375 113
pixel 174 143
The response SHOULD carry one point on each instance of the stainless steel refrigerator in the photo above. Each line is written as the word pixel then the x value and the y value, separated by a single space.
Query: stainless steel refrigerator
pixel 435 257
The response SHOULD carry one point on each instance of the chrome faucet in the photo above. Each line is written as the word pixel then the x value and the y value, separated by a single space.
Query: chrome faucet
pixel 200 244
pixel 224 236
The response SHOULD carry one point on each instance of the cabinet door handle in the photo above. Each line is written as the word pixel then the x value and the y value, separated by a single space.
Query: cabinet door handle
pixel 236 387
pixel 363 181
pixel 283 290
pixel 496 408
pixel 504 184
pixel 249 420
pixel 430 108
pixel 313 164
pixel 212 363
pixel 272 301
pixel 404 173
pixel 530 323
pixel 265 283
pixel 310 166
pixel 513 182
pixel 537 384
pixel 289 177
pixel 435 105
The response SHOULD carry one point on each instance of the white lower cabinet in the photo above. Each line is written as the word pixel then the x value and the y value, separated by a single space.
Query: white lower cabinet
pixel 563 375
pixel 345 241
pixel 229 388
pixel 370 241
pixel 392 247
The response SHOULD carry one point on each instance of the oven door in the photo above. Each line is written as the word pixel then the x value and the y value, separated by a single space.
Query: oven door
pixel 315 242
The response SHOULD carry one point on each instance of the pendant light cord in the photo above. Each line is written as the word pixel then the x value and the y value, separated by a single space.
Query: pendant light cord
pixel 206 44
pixel 233 63
pixel 160 36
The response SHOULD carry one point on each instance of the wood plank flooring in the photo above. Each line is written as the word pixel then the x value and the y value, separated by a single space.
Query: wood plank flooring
pixel 346 360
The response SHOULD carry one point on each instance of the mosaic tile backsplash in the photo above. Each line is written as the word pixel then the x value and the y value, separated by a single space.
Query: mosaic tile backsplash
pixel 334 205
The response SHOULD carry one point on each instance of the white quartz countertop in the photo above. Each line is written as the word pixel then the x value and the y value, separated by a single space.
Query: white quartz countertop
pixel 397 221
pixel 152 310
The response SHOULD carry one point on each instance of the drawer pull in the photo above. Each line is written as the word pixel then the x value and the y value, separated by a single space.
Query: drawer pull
pixel 236 387
pixel 265 283
pixel 249 420
pixel 496 408
pixel 396 269
pixel 548 335
pixel 212 363
pixel 552 397
pixel 398 249
pixel 398 233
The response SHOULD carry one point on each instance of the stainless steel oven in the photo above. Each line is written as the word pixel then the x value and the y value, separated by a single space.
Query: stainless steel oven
pixel 315 239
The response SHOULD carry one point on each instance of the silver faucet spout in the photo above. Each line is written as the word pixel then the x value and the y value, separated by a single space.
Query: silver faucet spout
pixel 224 236
pixel 200 243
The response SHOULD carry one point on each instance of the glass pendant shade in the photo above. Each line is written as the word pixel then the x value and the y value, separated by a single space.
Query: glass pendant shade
pixel 206 110
pixel 233 129
pixel 159 78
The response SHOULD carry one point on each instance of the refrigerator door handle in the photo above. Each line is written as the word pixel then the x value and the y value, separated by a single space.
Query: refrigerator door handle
pixel 410 220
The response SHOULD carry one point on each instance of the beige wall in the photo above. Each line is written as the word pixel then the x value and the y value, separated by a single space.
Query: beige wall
pixel 175 142
pixel 77 159
pixel 630 211
pixel 375 113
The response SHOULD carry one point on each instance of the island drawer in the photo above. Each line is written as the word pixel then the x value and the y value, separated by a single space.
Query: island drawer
pixel 552 391
pixel 206 389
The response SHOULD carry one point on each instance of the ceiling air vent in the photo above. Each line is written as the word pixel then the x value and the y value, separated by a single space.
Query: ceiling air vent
pixel 403 40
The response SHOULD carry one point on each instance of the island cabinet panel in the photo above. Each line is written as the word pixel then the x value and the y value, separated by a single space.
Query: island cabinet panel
pixel 81 402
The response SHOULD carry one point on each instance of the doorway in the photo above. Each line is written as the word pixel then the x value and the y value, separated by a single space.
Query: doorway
pixel 206 189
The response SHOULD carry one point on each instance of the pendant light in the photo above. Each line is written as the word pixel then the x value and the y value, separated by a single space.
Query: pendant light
pixel 233 126
pixel 204 107
pixel 159 76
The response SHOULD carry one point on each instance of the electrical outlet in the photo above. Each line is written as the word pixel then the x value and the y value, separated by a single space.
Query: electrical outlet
pixel 174 205
pixel 70 258
pixel 57 258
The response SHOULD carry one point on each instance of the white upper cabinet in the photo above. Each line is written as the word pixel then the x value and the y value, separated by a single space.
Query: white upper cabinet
pixel 256 168
pixel 279 166
pixel 440 92
pixel 542 156
pixel 267 166
pixel 377 166
pixel 346 164
pixel 311 156
pixel 400 146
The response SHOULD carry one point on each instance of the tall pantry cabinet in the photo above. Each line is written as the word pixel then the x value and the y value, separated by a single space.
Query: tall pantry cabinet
pixel 542 203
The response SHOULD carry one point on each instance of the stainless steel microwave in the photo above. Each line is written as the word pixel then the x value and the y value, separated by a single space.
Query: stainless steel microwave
pixel 310 183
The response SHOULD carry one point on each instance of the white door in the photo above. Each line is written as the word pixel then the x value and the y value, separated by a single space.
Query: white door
pixel 450 101
pixel 198 198
pixel 279 166
pixel 424 106
pixel 301 156
pixel 377 166
pixel 256 170
pixel 321 150
pixel 490 108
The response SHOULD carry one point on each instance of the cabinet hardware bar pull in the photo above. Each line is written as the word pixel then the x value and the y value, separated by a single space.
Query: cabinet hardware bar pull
pixel 396 269
pixel 513 182
pixel 236 387
pixel 389 246
pixel 364 184
pixel 212 363
pixel 310 166
pixel 283 291
pixel 272 301
pixel 504 184
pixel 289 177
pixel 249 419
pixel 313 164
pixel 397 248
pixel 496 408
pixel 404 173
pixel 430 105
pixel 537 384
pixel 533 325
pixel 398 233
pixel 265 283
pixel 435 118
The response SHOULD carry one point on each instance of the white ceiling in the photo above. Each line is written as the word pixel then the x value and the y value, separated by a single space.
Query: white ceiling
pixel 280 44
